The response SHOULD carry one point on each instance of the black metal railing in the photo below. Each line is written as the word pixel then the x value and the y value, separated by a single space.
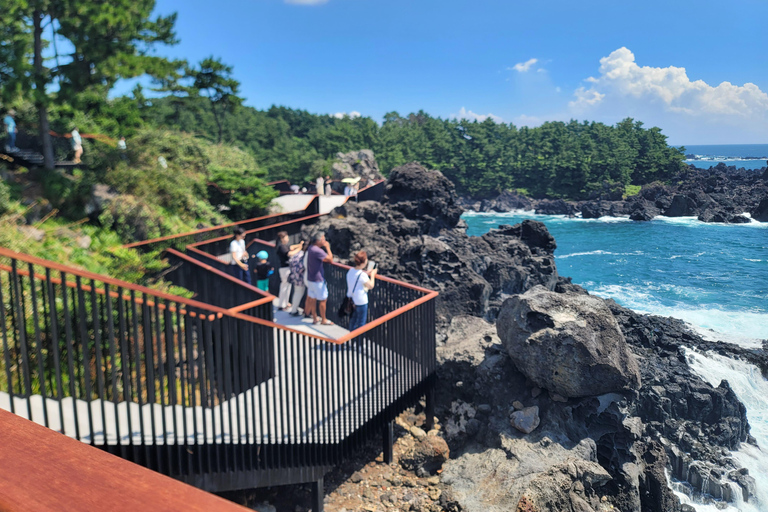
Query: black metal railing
pixel 208 395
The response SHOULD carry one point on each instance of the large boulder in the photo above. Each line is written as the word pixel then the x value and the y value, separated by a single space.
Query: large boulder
pixel 422 194
pixel 355 164
pixel 570 486
pixel 569 344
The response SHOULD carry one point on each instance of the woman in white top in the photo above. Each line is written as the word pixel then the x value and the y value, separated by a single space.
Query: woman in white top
pixel 239 262
pixel 358 283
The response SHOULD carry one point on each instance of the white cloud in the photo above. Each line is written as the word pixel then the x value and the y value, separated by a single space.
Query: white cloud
pixel 667 96
pixel 526 120
pixel 342 115
pixel 306 2
pixel 524 67
pixel 471 116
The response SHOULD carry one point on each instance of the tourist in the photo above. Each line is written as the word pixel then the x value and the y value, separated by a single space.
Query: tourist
pixel 284 253
pixel 10 130
pixel 319 186
pixel 77 145
pixel 317 289
pixel 328 188
pixel 237 251
pixel 359 282
pixel 263 270
pixel 298 275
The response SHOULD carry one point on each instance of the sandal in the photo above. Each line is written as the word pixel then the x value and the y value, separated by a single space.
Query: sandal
pixel 327 322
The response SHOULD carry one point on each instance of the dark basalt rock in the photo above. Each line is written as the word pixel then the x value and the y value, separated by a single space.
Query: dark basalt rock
pixel 725 192
pixel 760 212
pixel 555 207
pixel 415 234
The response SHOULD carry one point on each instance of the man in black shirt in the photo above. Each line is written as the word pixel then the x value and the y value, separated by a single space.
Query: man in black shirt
pixel 284 253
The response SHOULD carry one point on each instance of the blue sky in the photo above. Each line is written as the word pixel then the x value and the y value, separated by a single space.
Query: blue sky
pixel 699 70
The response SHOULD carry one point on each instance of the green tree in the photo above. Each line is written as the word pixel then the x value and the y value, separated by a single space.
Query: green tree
pixel 109 40
pixel 213 79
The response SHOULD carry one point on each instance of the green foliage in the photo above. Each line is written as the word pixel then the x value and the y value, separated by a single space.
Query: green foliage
pixel 5 198
pixel 481 158
pixel 631 190
pixel 243 192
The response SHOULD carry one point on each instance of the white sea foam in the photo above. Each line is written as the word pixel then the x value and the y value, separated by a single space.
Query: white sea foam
pixel 600 252
pixel 752 389
pixel 744 328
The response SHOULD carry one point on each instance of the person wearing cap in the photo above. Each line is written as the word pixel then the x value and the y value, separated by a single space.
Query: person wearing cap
pixel 284 252
pixel 263 270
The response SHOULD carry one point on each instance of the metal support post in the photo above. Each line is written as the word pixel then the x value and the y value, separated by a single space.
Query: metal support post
pixel 317 496
pixel 389 439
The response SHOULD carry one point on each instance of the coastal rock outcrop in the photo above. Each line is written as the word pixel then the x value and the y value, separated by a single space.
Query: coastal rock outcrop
pixel 718 194
pixel 416 234
pixel 354 164
pixel 568 344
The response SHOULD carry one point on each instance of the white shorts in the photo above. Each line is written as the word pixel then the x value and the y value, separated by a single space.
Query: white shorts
pixel 317 291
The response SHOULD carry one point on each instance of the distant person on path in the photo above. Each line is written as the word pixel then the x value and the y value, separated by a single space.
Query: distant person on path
pixel 284 253
pixel 317 288
pixel 319 185
pixel 239 263
pixel 122 147
pixel 77 145
pixel 298 275
pixel 11 130
pixel 328 188
pixel 359 282
pixel 263 270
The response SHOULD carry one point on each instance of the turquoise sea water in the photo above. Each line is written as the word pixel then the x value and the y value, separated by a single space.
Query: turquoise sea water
pixel 713 276
pixel 749 156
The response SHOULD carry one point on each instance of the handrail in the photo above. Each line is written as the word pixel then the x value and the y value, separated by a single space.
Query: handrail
pixel 73 475
pixel 106 279
pixel 268 297
pixel 142 243
pixel 255 230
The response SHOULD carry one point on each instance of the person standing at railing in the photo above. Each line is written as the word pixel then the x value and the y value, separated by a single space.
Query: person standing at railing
pixel 298 275
pixel 239 263
pixel 10 130
pixel 317 288
pixel 77 145
pixel 359 282
pixel 319 186
pixel 263 270
pixel 284 253
pixel 328 188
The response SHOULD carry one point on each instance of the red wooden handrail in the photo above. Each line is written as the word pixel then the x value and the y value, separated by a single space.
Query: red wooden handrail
pixel 43 470
pixel 106 279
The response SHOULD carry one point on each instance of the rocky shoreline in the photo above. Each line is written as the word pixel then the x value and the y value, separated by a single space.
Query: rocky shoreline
pixel 568 403
pixel 720 194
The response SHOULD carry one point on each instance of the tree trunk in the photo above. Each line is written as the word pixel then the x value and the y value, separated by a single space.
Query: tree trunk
pixel 40 94
pixel 218 121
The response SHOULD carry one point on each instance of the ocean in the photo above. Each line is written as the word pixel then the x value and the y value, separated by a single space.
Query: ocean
pixel 749 156
pixel 713 276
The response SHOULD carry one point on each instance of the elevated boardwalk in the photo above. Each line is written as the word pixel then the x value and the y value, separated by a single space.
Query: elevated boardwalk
pixel 219 391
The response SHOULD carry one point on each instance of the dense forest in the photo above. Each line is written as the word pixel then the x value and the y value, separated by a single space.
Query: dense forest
pixel 482 158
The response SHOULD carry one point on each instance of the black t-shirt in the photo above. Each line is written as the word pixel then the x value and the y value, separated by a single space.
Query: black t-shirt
pixel 282 253
pixel 262 271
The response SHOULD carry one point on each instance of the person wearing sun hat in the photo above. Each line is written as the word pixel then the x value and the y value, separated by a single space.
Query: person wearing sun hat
pixel 263 270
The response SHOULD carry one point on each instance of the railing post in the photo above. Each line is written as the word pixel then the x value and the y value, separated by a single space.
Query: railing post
pixel 389 439
pixel 317 495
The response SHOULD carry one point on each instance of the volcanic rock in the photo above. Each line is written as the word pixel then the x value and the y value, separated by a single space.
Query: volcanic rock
pixel 569 344
pixel 355 164
pixel 760 212
pixel 415 235
pixel 525 420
